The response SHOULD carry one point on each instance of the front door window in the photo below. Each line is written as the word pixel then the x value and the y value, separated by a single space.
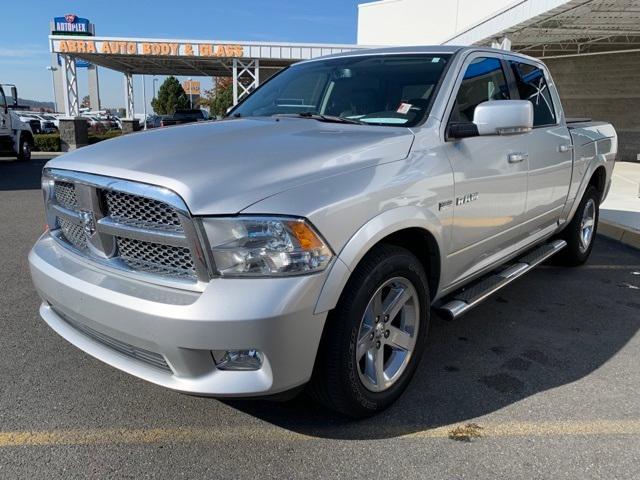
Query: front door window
pixel 483 80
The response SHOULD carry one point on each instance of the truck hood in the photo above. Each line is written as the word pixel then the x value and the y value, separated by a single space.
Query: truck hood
pixel 223 167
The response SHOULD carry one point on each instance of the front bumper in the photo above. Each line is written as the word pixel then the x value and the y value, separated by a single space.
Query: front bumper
pixel 124 322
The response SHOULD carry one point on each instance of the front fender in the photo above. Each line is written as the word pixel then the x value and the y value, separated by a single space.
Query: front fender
pixel 365 238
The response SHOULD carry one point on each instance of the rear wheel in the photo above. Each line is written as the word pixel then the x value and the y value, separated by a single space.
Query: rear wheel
pixel 581 231
pixel 24 153
pixel 374 339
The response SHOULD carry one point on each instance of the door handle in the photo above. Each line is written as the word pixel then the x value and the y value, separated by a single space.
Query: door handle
pixel 565 148
pixel 517 157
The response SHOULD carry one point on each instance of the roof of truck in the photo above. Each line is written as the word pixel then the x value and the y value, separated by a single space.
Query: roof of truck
pixel 418 49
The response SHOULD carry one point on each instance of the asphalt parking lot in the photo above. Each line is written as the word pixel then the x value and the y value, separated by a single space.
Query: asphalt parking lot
pixel 543 380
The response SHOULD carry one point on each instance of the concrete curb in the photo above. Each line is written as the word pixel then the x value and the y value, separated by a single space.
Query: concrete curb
pixel 46 154
pixel 621 233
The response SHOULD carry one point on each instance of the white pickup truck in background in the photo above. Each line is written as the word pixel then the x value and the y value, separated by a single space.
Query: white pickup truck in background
pixel 16 136
pixel 305 239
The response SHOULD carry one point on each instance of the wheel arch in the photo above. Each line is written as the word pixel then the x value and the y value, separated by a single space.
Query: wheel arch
pixel 597 172
pixel 424 246
pixel 28 135
pixel 599 180
pixel 407 227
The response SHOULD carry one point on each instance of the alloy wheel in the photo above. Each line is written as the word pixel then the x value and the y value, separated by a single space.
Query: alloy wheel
pixel 587 224
pixel 387 334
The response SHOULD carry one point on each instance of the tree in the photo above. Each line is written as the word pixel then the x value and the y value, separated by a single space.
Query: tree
pixel 219 99
pixel 171 96
pixel 86 102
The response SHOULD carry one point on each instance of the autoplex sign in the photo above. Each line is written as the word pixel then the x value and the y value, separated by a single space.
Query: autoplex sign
pixel 164 49
pixel 71 23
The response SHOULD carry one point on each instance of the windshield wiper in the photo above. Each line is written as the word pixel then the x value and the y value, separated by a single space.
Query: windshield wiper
pixel 330 118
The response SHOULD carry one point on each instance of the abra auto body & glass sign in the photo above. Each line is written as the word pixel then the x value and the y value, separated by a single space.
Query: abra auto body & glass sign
pixel 131 47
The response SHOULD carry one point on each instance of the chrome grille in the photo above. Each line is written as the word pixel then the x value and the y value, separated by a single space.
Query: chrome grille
pixel 155 258
pixel 142 212
pixel 137 353
pixel 65 194
pixel 74 234
pixel 137 228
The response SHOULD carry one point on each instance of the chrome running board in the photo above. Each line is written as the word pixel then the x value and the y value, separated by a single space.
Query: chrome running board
pixel 468 297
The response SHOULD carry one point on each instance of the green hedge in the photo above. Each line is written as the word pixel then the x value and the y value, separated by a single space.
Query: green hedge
pixel 46 142
pixel 50 142
pixel 98 137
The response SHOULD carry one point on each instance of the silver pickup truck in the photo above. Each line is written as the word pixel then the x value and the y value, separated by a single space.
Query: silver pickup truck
pixel 306 239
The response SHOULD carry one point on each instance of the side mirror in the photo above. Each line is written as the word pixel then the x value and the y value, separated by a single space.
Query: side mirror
pixel 462 130
pixel 502 117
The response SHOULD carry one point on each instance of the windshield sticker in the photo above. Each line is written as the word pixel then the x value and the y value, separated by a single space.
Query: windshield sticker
pixel 404 108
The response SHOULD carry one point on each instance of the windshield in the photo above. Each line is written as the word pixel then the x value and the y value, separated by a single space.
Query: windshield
pixel 392 90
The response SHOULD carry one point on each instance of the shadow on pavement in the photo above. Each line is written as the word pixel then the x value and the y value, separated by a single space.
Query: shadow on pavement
pixel 16 175
pixel 552 327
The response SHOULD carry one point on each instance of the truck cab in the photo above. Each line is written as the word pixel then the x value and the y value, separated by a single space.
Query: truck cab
pixel 16 136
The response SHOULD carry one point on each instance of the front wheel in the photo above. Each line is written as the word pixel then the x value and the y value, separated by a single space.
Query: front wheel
pixel 581 231
pixel 24 153
pixel 374 339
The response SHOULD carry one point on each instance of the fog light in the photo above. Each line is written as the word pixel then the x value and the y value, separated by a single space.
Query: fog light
pixel 238 359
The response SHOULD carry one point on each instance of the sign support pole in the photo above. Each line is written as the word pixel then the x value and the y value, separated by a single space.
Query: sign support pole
pixel 70 81
pixel 128 90
pixel 144 102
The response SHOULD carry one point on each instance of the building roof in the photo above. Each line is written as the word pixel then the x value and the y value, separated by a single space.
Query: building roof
pixel 544 28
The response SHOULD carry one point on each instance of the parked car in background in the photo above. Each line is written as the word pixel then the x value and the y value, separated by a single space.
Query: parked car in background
pixel 305 239
pixel 109 121
pixel 184 116
pixel 48 123
pixel 101 122
pixel 154 121
pixel 92 121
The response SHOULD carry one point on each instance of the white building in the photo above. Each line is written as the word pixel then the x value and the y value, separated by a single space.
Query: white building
pixel 420 22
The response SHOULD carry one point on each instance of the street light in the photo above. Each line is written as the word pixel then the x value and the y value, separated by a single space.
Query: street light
pixel 191 93
pixel 53 82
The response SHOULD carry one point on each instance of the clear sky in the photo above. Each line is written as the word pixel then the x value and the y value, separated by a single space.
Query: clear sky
pixel 24 51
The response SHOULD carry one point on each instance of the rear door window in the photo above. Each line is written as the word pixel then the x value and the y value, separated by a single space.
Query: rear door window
pixel 533 86
pixel 483 80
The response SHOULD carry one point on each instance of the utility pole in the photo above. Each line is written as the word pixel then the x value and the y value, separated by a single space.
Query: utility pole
pixel 53 82
pixel 191 93
pixel 154 86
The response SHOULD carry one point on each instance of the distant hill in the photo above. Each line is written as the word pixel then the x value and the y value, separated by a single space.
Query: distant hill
pixel 32 104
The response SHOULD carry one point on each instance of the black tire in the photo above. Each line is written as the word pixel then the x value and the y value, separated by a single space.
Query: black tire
pixel 575 253
pixel 24 153
pixel 336 382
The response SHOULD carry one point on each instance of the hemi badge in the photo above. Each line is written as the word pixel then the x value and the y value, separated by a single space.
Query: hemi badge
pixel 445 204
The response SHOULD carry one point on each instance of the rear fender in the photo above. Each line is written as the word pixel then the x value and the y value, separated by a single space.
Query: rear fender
pixel 588 157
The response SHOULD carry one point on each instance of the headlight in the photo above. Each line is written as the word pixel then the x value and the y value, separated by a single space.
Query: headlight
pixel 265 246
